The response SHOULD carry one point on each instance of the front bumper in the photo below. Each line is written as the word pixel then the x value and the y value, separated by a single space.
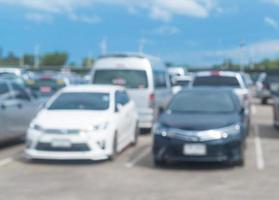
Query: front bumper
pixel 47 155
pixel 82 146
pixel 224 150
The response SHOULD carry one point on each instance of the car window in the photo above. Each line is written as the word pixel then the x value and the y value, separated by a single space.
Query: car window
pixel 122 98
pixel 4 89
pixel 160 79
pixel 20 92
pixel 201 102
pixel 81 101
pixel 134 79
pixel 216 81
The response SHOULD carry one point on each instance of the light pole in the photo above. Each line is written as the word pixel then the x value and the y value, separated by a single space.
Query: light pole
pixel 242 64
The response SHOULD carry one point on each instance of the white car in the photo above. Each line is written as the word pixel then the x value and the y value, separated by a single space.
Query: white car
pixel 226 79
pixel 83 123
pixel 145 78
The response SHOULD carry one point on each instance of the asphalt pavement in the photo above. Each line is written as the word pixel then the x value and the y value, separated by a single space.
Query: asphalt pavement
pixel 132 176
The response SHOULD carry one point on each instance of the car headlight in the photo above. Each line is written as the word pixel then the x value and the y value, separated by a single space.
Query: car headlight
pixel 60 82
pixel 158 129
pixel 36 127
pixel 101 126
pixel 231 130
pixel 30 82
pixel 218 134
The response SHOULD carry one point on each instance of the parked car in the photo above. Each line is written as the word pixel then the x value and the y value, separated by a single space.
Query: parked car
pixel 233 80
pixel 17 109
pixel 145 78
pixel 201 125
pixel 23 73
pixel 267 83
pixel 83 122
pixel 46 83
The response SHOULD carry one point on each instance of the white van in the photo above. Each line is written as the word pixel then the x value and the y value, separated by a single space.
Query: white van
pixel 145 78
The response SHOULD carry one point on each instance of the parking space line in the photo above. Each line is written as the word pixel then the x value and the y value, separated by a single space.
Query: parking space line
pixel 259 149
pixel 133 162
pixel 6 161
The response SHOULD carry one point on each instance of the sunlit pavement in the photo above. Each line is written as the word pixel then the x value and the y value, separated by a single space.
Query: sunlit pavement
pixel 133 176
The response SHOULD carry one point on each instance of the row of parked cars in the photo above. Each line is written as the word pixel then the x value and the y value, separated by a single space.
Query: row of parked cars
pixel 206 121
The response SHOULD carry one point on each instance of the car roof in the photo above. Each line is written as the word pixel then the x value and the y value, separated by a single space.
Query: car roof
pixel 209 89
pixel 220 73
pixel 128 60
pixel 92 88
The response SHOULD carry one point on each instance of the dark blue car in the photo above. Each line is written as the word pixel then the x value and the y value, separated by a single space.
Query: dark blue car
pixel 202 125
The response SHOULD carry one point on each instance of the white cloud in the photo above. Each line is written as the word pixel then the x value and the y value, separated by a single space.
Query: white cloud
pixel 38 17
pixel 258 50
pixel 85 19
pixel 271 22
pixel 166 30
pixel 158 9
pixel 276 2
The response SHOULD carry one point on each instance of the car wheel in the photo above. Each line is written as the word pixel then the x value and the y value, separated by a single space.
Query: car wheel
pixel 241 161
pixel 114 149
pixel 135 139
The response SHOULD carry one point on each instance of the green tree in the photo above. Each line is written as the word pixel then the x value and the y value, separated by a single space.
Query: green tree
pixel 29 59
pixel 54 60
pixel 87 62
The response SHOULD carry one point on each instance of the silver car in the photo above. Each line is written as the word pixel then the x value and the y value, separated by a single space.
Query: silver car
pixel 17 109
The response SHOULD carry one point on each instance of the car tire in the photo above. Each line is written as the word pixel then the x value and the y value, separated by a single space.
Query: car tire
pixel 241 161
pixel 135 139
pixel 114 148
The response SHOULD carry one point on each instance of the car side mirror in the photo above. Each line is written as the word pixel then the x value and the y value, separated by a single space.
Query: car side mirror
pixel 242 111
pixel 118 107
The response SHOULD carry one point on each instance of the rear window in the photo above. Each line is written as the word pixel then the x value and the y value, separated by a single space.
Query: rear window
pixel 203 102
pixel 216 81
pixel 81 101
pixel 135 79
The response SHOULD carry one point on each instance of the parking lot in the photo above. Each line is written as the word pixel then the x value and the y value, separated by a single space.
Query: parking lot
pixel 133 176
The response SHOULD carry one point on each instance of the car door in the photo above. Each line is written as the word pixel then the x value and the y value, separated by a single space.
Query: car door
pixel 20 110
pixel 4 95
pixel 162 89
pixel 121 107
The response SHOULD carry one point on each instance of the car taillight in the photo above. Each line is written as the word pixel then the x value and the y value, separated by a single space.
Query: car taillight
pixel 152 99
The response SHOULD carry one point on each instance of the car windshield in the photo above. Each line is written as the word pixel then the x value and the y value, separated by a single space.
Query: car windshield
pixel 216 81
pixel 273 78
pixel 202 102
pixel 81 101
pixel 129 78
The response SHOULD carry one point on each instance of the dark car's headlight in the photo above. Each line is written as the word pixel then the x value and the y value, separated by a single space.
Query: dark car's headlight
pixel 159 129
pixel 221 133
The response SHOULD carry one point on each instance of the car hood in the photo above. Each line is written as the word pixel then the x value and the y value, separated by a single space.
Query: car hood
pixel 198 122
pixel 71 119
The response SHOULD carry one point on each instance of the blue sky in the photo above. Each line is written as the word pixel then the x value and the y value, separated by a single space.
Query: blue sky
pixel 197 32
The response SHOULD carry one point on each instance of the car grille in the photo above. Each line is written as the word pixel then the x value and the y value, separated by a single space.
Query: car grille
pixel 62 131
pixel 184 135
pixel 78 147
